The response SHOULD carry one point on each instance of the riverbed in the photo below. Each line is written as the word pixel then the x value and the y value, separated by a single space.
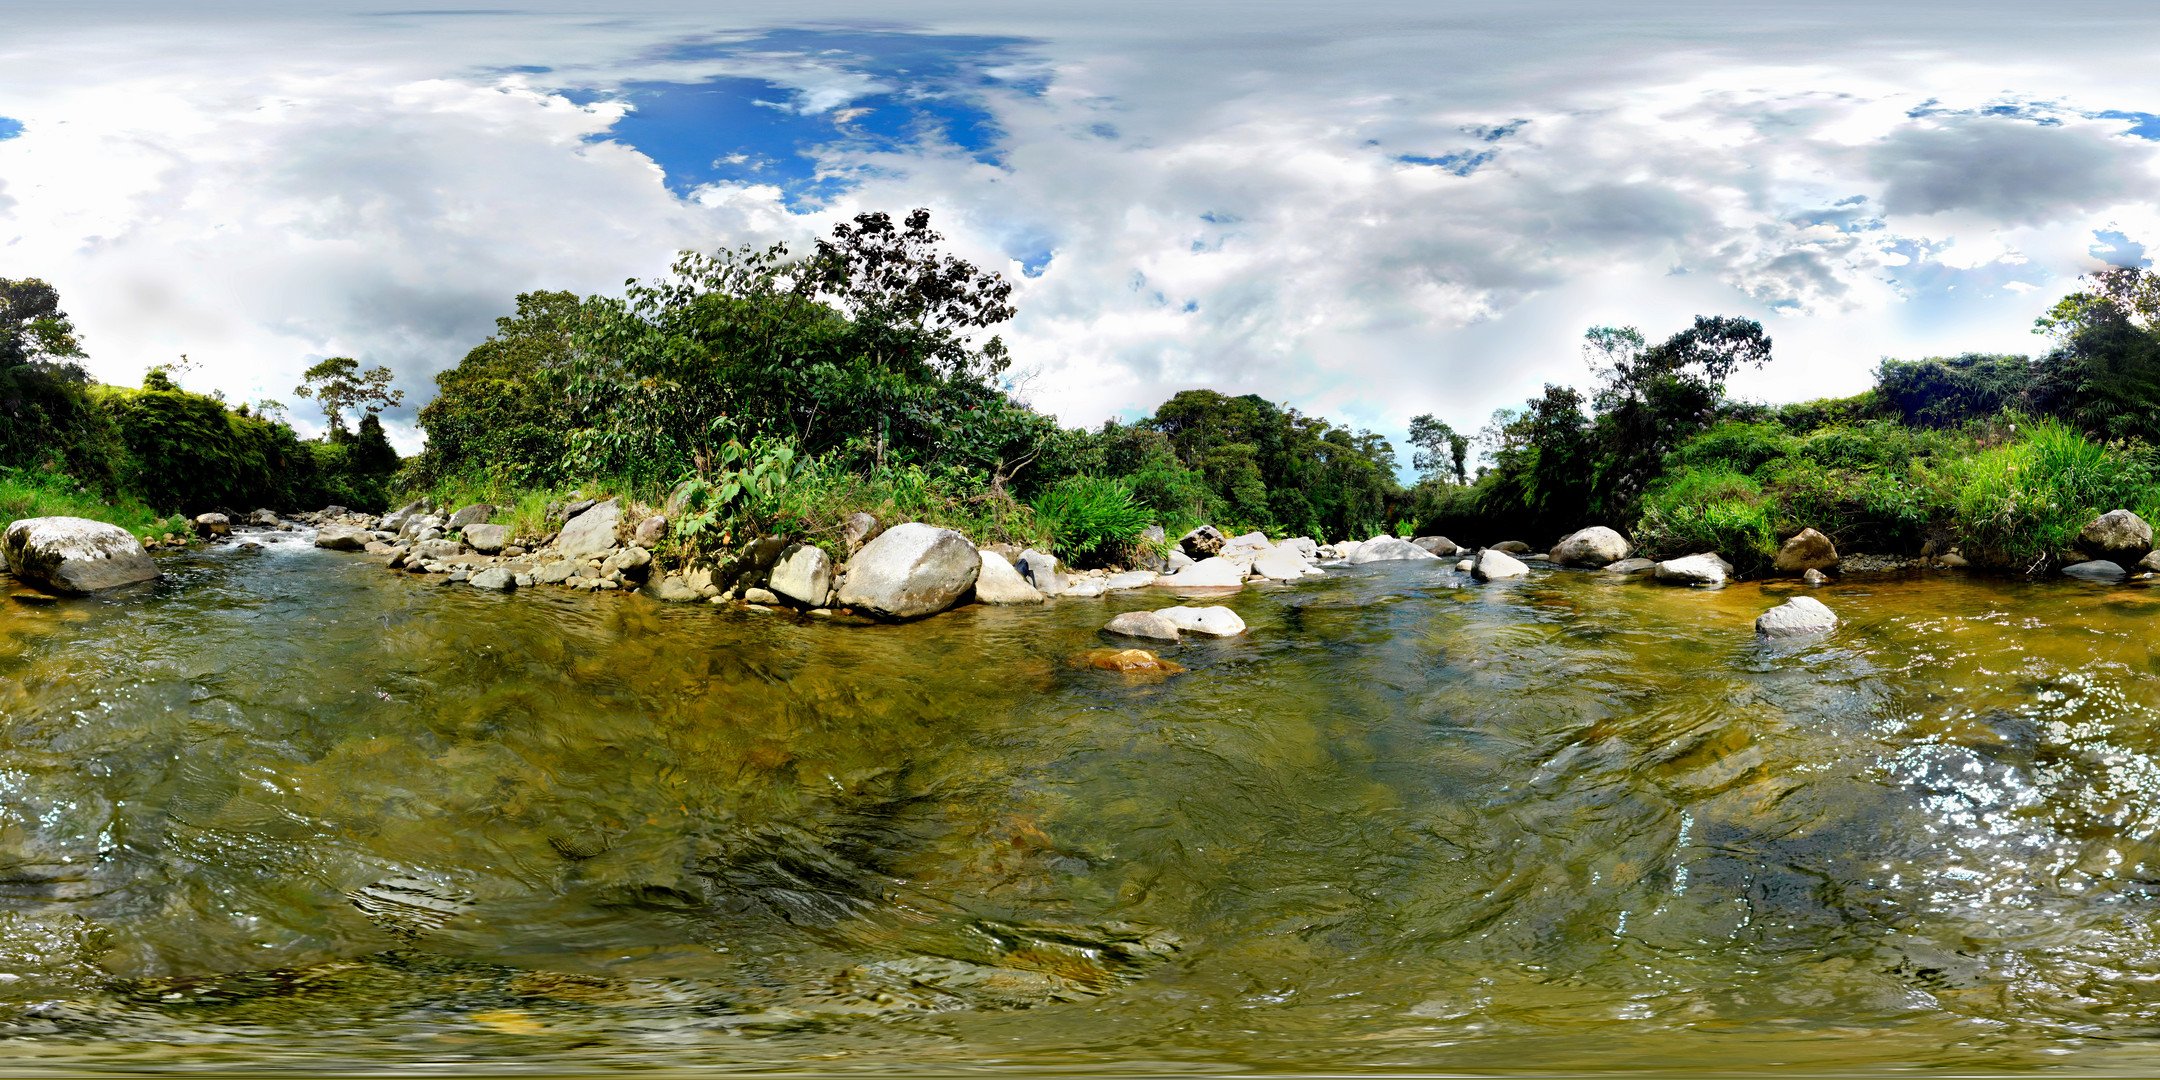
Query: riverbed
pixel 282 808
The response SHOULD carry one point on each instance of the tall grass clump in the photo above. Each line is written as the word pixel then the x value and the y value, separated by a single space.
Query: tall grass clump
pixel 29 493
pixel 1709 508
pixel 1091 518
pixel 2022 505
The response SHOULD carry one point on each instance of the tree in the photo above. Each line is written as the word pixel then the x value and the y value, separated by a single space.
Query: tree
pixel 1438 448
pixel 916 302
pixel 338 384
pixel 33 329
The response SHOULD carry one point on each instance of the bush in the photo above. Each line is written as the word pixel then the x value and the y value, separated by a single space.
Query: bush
pixel 1090 518
pixel 2022 505
pixel 1709 508
pixel 28 493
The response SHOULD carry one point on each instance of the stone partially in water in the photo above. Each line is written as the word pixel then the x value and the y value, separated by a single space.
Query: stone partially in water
pixel 2117 536
pixel 213 525
pixel 911 570
pixel 1041 571
pixel 343 538
pixel 999 583
pixel 1797 616
pixel 1142 624
pixel 1438 545
pixel 1389 549
pixel 1492 564
pixel 2095 570
pixel 1693 570
pixel 1280 565
pixel 803 573
pixel 1594 546
pixel 1806 550
pixel 75 555
pixel 1134 660
pixel 496 578
pixel 1814 577
pixel 1630 567
pixel 1210 573
pixel 1215 621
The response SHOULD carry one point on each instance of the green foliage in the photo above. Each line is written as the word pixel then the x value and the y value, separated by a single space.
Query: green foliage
pixel 500 418
pixel 338 385
pixel 1089 517
pixel 26 493
pixel 1944 392
pixel 1267 467
pixel 2022 504
pixel 1709 508
pixel 745 491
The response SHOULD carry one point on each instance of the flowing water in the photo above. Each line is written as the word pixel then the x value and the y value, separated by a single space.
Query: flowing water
pixel 285 809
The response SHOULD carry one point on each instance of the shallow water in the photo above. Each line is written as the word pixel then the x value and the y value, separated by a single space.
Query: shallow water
pixel 284 808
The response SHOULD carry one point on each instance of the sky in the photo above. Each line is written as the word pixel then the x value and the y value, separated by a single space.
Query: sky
pixel 1366 210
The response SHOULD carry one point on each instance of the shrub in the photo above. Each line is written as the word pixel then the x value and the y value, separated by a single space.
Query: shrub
pixel 1709 508
pixel 2022 505
pixel 1090 517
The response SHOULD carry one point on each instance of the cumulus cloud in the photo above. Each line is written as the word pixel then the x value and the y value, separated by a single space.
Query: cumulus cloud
pixel 2010 170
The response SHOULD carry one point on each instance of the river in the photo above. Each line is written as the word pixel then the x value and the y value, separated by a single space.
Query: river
pixel 285 809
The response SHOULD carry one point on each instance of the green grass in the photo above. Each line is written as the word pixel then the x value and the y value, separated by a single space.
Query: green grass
pixel 2022 505
pixel 1710 508
pixel 26 493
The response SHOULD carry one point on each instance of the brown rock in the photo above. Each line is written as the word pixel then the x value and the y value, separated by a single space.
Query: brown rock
pixel 1129 660
pixel 1807 550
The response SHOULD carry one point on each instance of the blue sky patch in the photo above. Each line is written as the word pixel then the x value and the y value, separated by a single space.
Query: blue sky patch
pixel 928 91
pixel 9 128
pixel 1461 163
pixel 2117 249
pixel 2147 126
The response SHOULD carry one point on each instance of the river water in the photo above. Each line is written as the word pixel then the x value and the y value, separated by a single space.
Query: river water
pixel 286 809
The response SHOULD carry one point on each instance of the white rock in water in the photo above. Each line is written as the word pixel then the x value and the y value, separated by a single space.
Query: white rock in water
pixel 75 555
pixel 997 583
pixel 494 577
pixel 1210 573
pixel 1799 615
pixel 1041 571
pixel 1083 588
pixel 1280 565
pixel 343 538
pixel 803 574
pixel 911 570
pixel 1142 624
pixel 1594 546
pixel 1216 621
pixel 1493 564
pixel 1130 579
pixel 2097 570
pixel 1466 566
pixel 1388 549
pixel 1693 570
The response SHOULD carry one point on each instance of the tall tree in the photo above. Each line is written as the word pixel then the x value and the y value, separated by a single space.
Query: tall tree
pixel 338 385
pixel 33 329
pixel 1440 451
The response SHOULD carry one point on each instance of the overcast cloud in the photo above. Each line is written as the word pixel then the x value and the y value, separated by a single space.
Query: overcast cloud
pixel 1364 210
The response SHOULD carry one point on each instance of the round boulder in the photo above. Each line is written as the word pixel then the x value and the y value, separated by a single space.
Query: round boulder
pixel 75 555
pixel 1594 546
pixel 1142 624
pixel 803 573
pixel 1797 616
pixel 2096 570
pixel 1217 621
pixel 213 525
pixel 1493 563
pixel 2117 536
pixel 1806 550
pixel 998 583
pixel 911 570
pixel 343 538
pixel 1693 570
pixel 1389 549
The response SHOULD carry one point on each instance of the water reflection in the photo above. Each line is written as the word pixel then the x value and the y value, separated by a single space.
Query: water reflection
pixel 287 807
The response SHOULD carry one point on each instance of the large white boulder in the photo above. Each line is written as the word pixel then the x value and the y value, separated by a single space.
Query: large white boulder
pixel 486 539
pixel 803 573
pixel 592 532
pixel 1209 573
pixel 1280 565
pixel 1216 621
pixel 1041 571
pixel 1389 549
pixel 1693 570
pixel 911 570
pixel 1594 546
pixel 1493 563
pixel 1142 624
pixel 997 583
pixel 343 537
pixel 1797 616
pixel 75 555
pixel 1130 579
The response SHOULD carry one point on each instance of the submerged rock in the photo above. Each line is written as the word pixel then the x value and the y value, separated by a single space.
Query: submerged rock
pixel 75 555
pixel 1389 549
pixel 1493 563
pixel 1694 570
pixel 2117 536
pixel 999 583
pixel 1815 577
pixel 1216 621
pixel 343 538
pixel 1799 615
pixel 803 573
pixel 1142 624
pixel 1594 546
pixel 591 532
pixel 1630 566
pixel 2096 570
pixel 1806 550
pixel 911 570
pixel 1133 660
pixel 673 590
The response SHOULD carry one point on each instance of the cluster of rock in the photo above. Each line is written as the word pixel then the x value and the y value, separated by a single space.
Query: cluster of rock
pixel 2114 546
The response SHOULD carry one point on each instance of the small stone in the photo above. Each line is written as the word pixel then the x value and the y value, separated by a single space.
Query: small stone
pixel 1142 624
pixel 760 596
pixel 1799 615
pixel 1814 577
pixel 1128 660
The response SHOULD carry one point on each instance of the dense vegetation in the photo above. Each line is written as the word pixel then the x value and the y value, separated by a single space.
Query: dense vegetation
pixel 762 391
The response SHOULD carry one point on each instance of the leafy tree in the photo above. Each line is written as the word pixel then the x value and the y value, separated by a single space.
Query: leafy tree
pixel 1438 448
pixel 907 298
pixel 338 385
pixel 33 329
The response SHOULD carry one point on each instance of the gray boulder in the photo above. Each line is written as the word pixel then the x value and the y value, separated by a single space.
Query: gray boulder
pixel 1302 546
pixel 1594 546
pixel 1630 566
pixel 1389 549
pixel 494 577
pixel 487 539
pixel 1130 579
pixel 2096 570
pixel 1201 542
pixel 858 529
pixel 650 531
pixel 755 595
pixel 1493 563
pixel 75 555
pixel 555 573
pixel 1210 573
pixel 475 514
pixel 263 517
pixel 592 532
pixel 1041 571
pixel 1694 570
pixel 999 583
pixel 1280 565
pixel 911 570
pixel 1216 621
pixel 1512 547
pixel 674 590
pixel 395 520
pixel 633 561
pixel 213 525
pixel 343 538
pixel 803 573
pixel 1806 550
pixel 435 550
pixel 1438 545
pixel 1797 616
pixel 2116 536
pixel 1142 624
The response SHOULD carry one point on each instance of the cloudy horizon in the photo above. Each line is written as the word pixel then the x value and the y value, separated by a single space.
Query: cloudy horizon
pixel 1366 211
